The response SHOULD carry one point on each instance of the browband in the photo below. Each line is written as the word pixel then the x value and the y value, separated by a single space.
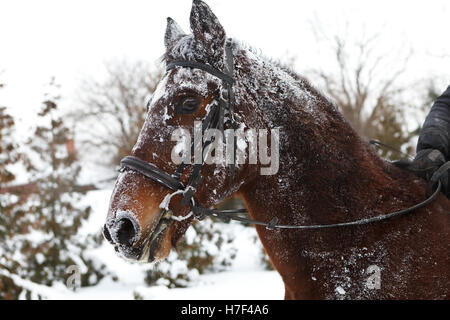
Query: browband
pixel 205 67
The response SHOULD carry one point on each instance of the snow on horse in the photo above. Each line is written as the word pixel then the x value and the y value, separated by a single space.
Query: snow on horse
pixel 327 174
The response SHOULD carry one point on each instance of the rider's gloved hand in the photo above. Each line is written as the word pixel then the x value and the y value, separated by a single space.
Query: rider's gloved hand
pixel 425 164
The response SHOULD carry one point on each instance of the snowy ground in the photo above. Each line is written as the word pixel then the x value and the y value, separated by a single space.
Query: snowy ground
pixel 246 278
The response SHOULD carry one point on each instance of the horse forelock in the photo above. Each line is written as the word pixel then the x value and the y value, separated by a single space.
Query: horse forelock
pixel 187 48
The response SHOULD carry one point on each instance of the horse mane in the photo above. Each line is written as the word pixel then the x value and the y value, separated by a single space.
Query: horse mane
pixel 184 50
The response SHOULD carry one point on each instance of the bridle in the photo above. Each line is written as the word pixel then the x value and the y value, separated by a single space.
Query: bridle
pixel 214 119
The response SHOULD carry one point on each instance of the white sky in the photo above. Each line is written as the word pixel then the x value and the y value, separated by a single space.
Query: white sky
pixel 71 39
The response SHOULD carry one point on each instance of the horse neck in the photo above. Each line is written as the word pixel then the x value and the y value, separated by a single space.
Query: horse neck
pixel 327 172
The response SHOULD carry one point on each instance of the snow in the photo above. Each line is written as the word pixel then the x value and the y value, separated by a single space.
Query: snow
pixel 39 258
pixel 239 285
pixel 159 91
pixel 55 292
pixel 246 278
pixel 340 290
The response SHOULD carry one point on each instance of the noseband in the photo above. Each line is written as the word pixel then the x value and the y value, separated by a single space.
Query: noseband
pixel 214 119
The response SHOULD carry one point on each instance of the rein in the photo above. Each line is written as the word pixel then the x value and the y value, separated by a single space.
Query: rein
pixel 215 119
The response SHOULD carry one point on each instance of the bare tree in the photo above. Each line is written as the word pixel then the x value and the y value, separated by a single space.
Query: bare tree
pixel 111 112
pixel 366 86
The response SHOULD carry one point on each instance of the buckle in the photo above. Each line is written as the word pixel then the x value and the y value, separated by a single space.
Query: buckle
pixel 271 225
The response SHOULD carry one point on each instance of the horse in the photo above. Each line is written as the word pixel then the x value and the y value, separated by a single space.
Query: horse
pixel 327 174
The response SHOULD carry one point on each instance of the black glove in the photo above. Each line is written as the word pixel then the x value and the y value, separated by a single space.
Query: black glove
pixel 425 164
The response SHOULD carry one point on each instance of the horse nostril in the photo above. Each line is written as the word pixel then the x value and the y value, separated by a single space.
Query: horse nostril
pixel 107 235
pixel 126 232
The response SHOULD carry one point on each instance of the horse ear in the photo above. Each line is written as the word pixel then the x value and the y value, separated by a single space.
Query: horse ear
pixel 208 33
pixel 173 32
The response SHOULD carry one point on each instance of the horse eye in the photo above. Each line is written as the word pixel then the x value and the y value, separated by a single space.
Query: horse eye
pixel 188 105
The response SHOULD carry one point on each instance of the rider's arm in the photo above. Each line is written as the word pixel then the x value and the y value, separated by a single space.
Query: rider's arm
pixel 435 133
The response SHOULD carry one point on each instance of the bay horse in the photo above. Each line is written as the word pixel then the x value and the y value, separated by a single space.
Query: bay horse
pixel 327 174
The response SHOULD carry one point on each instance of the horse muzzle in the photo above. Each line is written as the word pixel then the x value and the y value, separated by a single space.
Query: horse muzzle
pixel 124 233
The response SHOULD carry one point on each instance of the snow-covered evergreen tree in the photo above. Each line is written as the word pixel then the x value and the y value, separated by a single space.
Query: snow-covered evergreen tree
pixel 13 219
pixel 40 232
pixel 204 248
pixel 55 208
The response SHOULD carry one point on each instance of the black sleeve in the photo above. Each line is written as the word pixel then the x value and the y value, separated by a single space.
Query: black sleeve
pixel 435 133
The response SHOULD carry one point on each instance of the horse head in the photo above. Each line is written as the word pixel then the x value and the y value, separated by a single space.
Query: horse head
pixel 137 222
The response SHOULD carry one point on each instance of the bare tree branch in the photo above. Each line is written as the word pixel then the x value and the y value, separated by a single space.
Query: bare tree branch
pixel 111 112
pixel 365 85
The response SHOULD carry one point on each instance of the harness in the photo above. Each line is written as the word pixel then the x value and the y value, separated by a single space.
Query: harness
pixel 214 119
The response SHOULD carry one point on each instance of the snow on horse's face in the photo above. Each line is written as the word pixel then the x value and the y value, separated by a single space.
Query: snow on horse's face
pixel 183 96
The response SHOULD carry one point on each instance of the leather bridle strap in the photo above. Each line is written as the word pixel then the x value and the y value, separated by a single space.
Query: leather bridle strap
pixel 152 172
pixel 213 119
pixel 273 224
pixel 205 67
